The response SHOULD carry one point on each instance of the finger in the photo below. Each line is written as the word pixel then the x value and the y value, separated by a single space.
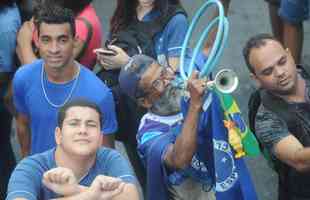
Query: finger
pixel 194 75
pixel 113 184
pixel 115 48
pixel 64 178
pixel 110 194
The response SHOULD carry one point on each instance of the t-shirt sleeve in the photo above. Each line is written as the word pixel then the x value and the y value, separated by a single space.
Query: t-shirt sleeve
pixel 176 32
pixel 118 166
pixel 25 181
pixel 19 92
pixel 269 128
pixel 107 107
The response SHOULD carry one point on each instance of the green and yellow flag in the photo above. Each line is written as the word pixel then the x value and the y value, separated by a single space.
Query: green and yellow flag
pixel 232 112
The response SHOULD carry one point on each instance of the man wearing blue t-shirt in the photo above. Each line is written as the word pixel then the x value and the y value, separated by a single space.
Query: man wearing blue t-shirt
pixel 43 86
pixel 167 143
pixel 78 168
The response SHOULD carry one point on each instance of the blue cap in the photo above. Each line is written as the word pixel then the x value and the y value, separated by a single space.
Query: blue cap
pixel 130 75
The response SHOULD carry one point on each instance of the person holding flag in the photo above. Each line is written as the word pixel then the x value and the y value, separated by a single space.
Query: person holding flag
pixel 182 140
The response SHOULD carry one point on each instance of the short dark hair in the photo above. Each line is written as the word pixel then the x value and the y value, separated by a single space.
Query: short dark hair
pixel 76 103
pixel 74 5
pixel 256 41
pixel 54 14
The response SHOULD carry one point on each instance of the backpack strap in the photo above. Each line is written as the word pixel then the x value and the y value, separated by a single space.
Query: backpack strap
pixel 305 71
pixel 253 105
pixel 88 38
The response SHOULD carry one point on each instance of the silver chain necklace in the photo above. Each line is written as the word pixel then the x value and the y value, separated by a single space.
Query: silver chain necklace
pixel 70 93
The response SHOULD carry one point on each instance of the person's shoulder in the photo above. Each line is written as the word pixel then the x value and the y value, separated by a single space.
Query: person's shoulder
pixel 264 113
pixel 268 121
pixel 40 162
pixel 177 20
pixel 105 155
pixel 91 76
pixel 29 71
pixel 90 80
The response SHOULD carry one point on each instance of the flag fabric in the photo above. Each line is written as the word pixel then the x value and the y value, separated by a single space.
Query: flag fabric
pixel 213 163
pixel 232 112
pixel 232 177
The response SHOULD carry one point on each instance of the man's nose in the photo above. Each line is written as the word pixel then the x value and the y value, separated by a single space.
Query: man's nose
pixel 54 47
pixel 170 74
pixel 83 129
pixel 279 70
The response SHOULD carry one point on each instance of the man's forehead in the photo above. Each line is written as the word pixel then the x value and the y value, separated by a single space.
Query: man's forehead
pixel 81 111
pixel 267 53
pixel 55 30
pixel 150 72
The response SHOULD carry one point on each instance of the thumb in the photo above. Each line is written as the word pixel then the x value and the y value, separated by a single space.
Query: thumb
pixel 115 48
pixel 194 75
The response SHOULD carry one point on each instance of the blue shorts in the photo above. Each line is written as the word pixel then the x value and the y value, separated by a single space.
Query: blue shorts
pixel 294 11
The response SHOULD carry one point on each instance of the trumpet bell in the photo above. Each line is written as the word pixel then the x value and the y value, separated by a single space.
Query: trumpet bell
pixel 226 81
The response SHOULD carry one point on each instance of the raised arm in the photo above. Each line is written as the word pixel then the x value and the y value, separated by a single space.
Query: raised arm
pixel 179 154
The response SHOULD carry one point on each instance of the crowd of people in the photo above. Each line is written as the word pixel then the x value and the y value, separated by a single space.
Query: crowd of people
pixel 179 145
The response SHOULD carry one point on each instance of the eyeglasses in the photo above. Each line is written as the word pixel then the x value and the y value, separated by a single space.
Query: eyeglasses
pixel 159 83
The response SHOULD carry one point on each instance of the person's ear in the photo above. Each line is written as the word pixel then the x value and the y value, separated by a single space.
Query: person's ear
pixel 144 102
pixel 36 38
pixel 58 135
pixel 255 79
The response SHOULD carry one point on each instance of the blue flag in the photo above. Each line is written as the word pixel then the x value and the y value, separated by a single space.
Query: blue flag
pixel 232 177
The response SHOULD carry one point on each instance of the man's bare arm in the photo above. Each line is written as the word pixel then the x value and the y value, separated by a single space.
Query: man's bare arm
pixel 23 133
pixel 180 154
pixel 293 153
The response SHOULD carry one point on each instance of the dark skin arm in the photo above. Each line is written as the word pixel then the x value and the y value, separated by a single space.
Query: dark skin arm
pixel 180 154
pixel 23 133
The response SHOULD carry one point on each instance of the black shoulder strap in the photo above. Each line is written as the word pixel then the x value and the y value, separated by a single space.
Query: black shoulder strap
pixel 305 70
pixel 88 38
pixel 253 105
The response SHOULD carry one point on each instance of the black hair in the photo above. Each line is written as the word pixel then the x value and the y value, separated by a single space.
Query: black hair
pixel 5 3
pixel 54 14
pixel 125 12
pixel 76 103
pixel 74 5
pixel 256 41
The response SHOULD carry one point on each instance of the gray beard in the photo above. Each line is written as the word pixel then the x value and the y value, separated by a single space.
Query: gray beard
pixel 169 102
